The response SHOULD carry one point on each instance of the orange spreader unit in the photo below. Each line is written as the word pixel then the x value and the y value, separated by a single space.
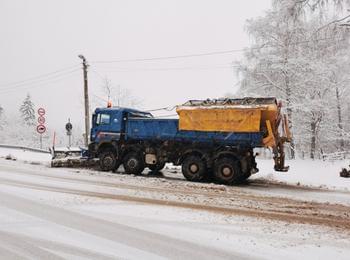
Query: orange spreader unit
pixel 222 117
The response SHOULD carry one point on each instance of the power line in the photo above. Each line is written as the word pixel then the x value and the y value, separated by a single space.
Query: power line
pixel 47 76
pixel 162 69
pixel 206 53
pixel 170 57
pixel 47 79
pixel 39 83
pixel 39 76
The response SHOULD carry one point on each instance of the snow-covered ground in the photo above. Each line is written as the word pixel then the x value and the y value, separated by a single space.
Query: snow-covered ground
pixel 50 213
pixel 78 227
pixel 25 155
pixel 313 173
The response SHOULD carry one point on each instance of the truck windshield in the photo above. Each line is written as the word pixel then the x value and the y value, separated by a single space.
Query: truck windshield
pixel 103 119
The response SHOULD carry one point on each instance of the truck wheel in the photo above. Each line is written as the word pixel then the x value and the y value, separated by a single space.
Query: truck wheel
pixel 156 167
pixel 227 171
pixel 107 161
pixel 133 163
pixel 194 168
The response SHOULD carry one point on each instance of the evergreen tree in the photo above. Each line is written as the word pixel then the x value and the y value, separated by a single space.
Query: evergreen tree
pixel 27 111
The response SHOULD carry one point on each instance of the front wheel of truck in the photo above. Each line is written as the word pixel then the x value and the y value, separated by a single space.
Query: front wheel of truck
pixel 133 163
pixel 107 161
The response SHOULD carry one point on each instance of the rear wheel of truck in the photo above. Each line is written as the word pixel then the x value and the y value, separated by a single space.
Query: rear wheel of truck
pixel 107 160
pixel 194 168
pixel 227 171
pixel 133 163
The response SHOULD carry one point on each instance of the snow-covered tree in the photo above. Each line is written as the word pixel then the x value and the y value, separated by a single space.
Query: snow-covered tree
pixel 27 111
pixel 119 96
pixel 293 59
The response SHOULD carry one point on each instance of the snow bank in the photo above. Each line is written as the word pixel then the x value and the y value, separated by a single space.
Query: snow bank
pixel 24 155
pixel 310 173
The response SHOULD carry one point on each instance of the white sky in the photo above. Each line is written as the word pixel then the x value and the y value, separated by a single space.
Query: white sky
pixel 42 36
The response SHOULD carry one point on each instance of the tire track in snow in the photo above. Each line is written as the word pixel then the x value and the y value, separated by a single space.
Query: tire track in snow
pixel 282 213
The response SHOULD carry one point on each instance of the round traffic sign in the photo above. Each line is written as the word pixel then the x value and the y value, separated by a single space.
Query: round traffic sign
pixel 41 129
pixel 41 120
pixel 69 126
pixel 41 111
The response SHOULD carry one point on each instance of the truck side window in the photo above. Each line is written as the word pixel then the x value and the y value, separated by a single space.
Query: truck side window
pixel 103 119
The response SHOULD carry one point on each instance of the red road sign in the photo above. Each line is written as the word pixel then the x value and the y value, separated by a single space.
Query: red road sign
pixel 41 120
pixel 41 111
pixel 41 129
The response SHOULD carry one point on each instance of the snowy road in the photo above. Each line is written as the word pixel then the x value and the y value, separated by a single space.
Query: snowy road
pixel 81 214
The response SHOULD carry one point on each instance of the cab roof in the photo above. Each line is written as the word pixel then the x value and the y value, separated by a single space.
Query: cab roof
pixel 121 109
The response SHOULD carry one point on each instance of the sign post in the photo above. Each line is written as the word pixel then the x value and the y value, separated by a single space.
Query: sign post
pixel 41 127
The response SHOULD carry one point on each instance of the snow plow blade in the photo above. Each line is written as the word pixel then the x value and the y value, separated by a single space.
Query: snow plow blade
pixel 71 157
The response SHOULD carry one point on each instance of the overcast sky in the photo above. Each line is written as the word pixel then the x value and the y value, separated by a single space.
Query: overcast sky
pixel 41 36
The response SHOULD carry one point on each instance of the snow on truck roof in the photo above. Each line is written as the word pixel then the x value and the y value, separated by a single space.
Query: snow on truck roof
pixel 223 103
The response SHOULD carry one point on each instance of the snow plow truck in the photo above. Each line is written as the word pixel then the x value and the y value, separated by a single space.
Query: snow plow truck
pixel 213 140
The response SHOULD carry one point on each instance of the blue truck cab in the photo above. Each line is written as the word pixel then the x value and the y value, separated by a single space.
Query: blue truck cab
pixel 109 124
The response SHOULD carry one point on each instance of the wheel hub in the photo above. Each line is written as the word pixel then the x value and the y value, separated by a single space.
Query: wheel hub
pixel 108 161
pixel 132 163
pixel 194 168
pixel 226 171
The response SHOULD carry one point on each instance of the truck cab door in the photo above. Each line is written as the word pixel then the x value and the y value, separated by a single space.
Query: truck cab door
pixel 106 126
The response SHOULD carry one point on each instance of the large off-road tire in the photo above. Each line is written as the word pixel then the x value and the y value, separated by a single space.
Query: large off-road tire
pixel 133 163
pixel 156 167
pixel 227 171
pixel 194 168
pixel 107 160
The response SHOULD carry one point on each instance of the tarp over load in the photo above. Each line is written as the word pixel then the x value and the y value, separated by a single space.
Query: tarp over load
pixel 227 115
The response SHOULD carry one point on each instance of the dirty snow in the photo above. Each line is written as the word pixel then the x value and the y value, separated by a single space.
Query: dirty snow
pixel 80 227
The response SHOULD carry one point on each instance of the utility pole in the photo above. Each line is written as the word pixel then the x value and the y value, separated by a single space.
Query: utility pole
pixel 86 101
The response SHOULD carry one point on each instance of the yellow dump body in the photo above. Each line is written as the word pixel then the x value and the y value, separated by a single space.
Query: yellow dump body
pixel 221 117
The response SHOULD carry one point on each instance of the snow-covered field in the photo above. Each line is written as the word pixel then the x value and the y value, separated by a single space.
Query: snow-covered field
pixel 24 155
pixel 50 213
pixel 311 173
